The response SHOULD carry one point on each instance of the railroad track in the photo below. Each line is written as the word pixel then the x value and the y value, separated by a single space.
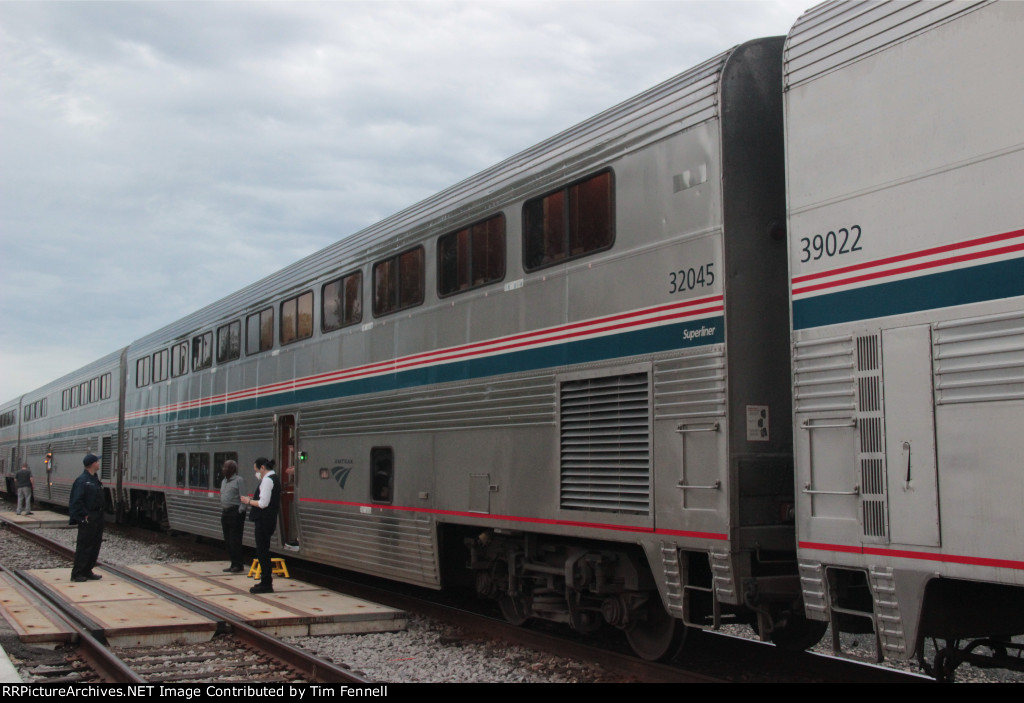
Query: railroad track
pixel 252 654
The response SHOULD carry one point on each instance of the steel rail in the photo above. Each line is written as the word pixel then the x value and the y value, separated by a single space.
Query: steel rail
pixel 314 667
pixel 107 665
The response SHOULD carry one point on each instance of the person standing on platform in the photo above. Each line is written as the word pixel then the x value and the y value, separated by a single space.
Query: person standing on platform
pixel 86 511
pixel 25 484
pixel 232 517
pixel 264 505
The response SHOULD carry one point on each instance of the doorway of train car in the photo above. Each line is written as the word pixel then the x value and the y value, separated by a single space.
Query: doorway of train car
pixel 287 458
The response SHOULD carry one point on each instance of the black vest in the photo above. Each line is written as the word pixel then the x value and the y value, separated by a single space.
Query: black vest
pixel 267 515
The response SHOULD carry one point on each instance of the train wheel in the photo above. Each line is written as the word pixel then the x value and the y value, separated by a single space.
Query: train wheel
pixel 513 609
pixel 798 633
pixel 657 636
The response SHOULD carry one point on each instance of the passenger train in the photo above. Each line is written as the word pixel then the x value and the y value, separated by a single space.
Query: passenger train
pixel 748 347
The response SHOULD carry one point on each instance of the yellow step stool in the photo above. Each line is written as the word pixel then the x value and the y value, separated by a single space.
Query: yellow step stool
pixel 277 566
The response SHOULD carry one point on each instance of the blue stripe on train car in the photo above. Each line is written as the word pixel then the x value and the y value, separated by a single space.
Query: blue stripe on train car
pixel 1001 279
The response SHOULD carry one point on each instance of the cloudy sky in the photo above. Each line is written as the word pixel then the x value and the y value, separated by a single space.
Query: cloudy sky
pixel 155 157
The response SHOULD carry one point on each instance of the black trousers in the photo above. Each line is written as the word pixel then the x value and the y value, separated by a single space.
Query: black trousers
pixel 233 522
pixel 264 531
pixel 87 550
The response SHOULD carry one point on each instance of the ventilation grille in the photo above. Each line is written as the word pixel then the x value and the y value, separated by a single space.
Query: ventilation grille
pixel 872 438
pixel 106 458
pixel 605 434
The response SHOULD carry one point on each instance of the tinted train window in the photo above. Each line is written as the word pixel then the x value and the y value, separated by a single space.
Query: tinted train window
pixel 141 375
pixel 202 351
pixel 297 318
pixel 161 361
pixel 569 223
pixel 471 257
pixel 398 282
pixel 259 331
pixel 199 470
pixel 341 304
pixel 105 386
pixel 179 359
pixel 382 474
pixel 229 342
pixel 218 464
pixel 179 475
pixel 83 392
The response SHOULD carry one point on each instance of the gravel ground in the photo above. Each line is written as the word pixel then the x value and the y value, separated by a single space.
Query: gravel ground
pixel 432 652
pixel 429 650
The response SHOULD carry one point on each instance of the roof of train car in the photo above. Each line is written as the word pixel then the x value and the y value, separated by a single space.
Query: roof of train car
pixel 674 105
pixel 834 34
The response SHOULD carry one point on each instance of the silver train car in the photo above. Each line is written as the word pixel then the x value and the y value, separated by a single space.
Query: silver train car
pixel 569 371
pixel 600 384
pixel 907 277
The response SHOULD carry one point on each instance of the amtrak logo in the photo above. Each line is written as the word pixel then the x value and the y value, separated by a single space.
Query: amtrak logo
pixel 340 474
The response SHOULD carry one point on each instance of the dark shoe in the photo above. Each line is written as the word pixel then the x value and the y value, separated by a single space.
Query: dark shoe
pixel 93 577
pixel 260 588
pixel 229 569
pixel 29 512
pixel 235 570
pixel 79 579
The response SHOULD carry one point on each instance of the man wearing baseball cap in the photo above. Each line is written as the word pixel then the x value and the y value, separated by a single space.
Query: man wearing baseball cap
pixel 86 510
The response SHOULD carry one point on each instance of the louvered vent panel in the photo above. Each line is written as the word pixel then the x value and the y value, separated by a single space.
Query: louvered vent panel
pixel 871 429
pixel 605 433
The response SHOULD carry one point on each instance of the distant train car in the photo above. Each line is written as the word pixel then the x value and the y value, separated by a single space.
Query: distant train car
pixel 65 420
pixel 905 161
pixel 10 426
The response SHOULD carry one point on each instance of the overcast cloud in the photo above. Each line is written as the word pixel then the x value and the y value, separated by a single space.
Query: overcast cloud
pixel 155 157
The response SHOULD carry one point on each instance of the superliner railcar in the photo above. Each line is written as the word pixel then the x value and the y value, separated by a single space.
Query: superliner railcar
pixel 906 265
pixel 572 372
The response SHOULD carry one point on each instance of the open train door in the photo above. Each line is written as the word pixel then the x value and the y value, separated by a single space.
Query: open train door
pixel 285 439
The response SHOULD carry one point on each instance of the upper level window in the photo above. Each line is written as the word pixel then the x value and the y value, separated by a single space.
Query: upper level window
pixel 297 318
pixel 341 304
pixel 259 331
pixel 141 374
pixel 179 359
pixel 229 342
pixel 83 392
pixel 398 282
pixel 202 351
pixel 569 223
pixel 161 362
pixel 471 257
pixel 105 386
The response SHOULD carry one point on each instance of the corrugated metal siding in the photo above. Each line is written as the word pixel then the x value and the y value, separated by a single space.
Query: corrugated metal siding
pixel 196 514
pixel 691 386
pixel 824 377
pixel 671 107
pixel 398 546
pixel 518 402
pixel 255 428
pixel 834 34
pixel 980 359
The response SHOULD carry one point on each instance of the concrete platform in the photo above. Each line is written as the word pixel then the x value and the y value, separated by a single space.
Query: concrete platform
pixel 296 608
pixel 129 616
pixel 33 621
pixel 38 518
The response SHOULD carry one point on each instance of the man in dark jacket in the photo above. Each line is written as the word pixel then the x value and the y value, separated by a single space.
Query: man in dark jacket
pixel 24 482
pixel 86 510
